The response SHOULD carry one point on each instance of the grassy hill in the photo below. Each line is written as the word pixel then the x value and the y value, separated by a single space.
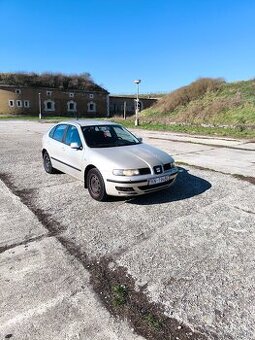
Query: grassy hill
pixel 206 101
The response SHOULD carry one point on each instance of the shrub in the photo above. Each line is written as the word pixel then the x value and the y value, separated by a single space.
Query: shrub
pixel 184 95
pixel 62 81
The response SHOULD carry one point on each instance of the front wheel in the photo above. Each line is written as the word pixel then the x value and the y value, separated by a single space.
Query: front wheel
pixel 95 184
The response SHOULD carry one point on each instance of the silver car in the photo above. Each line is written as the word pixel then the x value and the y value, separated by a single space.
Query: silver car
pixel 108 158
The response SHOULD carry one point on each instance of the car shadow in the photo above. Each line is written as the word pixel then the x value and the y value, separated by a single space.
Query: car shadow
pixel 185 186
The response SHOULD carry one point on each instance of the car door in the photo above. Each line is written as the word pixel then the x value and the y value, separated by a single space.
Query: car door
pixel 73 158
pixel 56 146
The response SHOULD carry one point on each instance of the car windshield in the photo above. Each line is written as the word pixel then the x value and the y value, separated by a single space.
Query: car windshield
pixel 106 136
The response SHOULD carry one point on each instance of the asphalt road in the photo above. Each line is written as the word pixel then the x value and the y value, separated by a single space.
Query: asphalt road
pixel 190 248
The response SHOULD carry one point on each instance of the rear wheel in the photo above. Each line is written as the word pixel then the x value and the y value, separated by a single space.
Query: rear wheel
pixel 95 184
pixel 47 163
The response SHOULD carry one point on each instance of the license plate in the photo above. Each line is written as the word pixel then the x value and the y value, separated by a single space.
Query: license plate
pixel 158 180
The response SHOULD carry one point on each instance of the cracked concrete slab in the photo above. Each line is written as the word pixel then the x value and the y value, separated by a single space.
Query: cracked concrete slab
pixel 17 223
pixel 46 294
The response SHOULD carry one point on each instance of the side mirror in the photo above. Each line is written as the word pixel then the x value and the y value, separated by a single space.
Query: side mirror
pixel 75 146
pixel 140 139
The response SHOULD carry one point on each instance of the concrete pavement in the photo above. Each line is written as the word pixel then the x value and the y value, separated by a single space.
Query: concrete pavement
pixel 189 248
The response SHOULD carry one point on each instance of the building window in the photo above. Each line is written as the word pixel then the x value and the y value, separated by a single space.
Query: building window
pixel 18 91
pixel 71 106
pixel 91 96
pixel 48 93
pixel 49 105
pixel 19 103
pixel 26 103
pixel 71 94
pixel 11 103
pixel 91 107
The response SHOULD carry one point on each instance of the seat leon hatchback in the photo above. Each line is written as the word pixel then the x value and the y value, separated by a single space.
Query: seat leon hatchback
pixel 108 158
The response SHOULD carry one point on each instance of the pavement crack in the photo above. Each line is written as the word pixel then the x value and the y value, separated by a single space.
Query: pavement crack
pixel 25 242
pixel 244 210
pixel 26 197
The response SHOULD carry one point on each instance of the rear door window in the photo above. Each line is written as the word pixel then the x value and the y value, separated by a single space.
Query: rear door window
pixel 59 132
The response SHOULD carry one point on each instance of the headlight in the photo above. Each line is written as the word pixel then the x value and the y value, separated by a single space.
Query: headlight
pixel 126 172
pixel 173 165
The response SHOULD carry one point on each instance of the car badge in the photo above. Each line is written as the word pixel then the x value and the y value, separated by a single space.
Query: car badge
pixel 158 169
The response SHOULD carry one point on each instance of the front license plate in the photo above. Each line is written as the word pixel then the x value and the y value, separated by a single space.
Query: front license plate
pixel 158 180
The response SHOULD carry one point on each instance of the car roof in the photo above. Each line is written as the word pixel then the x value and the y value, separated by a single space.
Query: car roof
pixel 88 122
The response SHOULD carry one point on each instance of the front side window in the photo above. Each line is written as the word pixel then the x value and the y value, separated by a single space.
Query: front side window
pixel 59 131
pixel 103 136
pixel 72 136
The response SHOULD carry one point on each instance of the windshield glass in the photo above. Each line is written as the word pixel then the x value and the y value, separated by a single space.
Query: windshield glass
pixel 105 136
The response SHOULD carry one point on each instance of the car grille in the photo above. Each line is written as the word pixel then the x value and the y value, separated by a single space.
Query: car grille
pixel 144 171
pixel 126 189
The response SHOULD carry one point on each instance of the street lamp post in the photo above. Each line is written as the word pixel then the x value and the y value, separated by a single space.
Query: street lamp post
pixel 40 106
pixel 137 82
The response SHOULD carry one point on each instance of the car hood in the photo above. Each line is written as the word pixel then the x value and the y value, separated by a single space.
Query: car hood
pixel 130 157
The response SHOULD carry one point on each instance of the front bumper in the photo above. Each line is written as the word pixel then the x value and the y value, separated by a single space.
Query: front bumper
pixel 140 185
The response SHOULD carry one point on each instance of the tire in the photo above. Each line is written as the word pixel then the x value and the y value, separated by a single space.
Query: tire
pixel 95 184
pixel 47 163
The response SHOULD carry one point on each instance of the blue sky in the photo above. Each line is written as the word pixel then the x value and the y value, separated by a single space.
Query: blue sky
pixel 165 43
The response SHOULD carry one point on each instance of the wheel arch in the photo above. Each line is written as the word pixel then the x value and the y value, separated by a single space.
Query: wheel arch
pixel 88 167
pixel 43 151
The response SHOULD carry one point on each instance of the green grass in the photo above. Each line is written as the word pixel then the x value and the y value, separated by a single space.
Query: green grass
pixel 21 117
pixel 238 132
pixel 120 295
pixel 153 321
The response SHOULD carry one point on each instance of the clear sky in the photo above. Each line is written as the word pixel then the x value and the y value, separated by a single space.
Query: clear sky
pixel 165 43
